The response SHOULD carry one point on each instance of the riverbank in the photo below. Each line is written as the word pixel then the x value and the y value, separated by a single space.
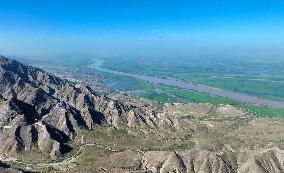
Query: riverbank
pixel 194 87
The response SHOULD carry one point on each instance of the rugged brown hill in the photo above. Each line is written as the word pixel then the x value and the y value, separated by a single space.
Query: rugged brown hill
pixel 41 110
pixel 35 110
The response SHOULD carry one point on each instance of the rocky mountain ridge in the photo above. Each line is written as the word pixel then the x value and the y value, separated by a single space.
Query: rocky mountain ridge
pixel 41 108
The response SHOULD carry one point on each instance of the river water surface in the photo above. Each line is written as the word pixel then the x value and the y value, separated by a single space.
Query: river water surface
pixel 199 88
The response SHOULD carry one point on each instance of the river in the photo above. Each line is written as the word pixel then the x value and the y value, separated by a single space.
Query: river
pixel 195 87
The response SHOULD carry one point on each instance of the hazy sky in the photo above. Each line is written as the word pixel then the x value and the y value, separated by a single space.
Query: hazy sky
pixel 138 28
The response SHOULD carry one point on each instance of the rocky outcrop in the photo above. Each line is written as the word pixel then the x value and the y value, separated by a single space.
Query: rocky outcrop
pixel 191 161
pixel 40 110
pixel 270 160
pixel 22 129
pixel 194 161
pixel 201 161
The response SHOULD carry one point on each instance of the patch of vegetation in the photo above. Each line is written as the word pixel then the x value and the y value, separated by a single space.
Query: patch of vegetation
pixel 109 140
pixel 33 156
pixel 166 94
pixel 121 140
pixel 256 78
pixel 162 97
pixel 196 97
pixel 189 117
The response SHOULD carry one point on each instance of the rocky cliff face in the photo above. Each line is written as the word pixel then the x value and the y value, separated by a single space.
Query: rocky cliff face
pixel 40 110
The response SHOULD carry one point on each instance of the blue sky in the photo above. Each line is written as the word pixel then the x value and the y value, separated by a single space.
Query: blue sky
pixel 143 28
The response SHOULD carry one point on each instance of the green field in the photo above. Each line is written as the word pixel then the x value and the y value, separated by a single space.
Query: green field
pixel 194 97
pixel 167 94
pixel 255 78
